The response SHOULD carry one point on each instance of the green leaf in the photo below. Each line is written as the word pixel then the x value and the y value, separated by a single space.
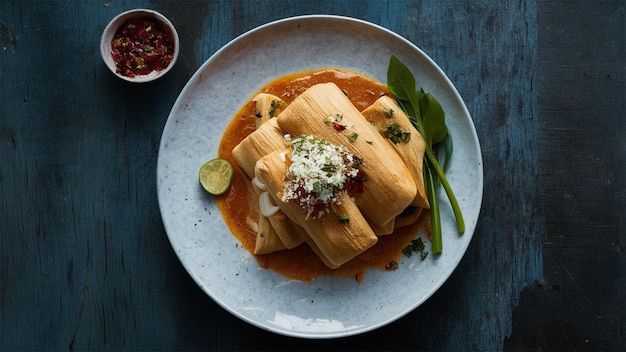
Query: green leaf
pixel 401 83
pixel 399 79
pixel 396 135
pixel 433 119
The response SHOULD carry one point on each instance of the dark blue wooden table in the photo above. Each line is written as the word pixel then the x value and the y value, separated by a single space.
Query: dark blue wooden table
pixel 85 263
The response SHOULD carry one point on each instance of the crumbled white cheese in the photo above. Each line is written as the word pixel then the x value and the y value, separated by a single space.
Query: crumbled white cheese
pixel 318 172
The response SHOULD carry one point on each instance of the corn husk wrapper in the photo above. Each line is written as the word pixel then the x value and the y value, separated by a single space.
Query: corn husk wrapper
pixel 267 107
pixel 266 139
pixel 384 113
pixel 272 234
pixel 267 238
pixel 267 241
pixel 389 187
pixel 337 241
pixel 386 229
pixel 286 230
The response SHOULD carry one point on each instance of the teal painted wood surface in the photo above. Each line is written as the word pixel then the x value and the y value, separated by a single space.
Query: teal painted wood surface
pixel 85 263
pixel 580 301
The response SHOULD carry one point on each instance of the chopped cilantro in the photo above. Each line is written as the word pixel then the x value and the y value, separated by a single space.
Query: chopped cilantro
pixel 272 108
pixel 416 246
pixel 396 135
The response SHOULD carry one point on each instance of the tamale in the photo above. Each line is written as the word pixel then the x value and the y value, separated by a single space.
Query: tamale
pixel 297 231
pixel 286 226
pixel 316 249
pixel 280 229
pixel 267 138
pixel 338 241
pixel 267 241
pixel 267 106
pixel 386 115
pixel 285 230
pixel 323 111
pixel 387 229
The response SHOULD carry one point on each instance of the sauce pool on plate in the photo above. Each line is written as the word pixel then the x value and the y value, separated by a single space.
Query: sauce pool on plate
pixel 236 205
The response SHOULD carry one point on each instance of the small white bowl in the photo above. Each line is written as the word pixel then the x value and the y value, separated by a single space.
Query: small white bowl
pixel 109 34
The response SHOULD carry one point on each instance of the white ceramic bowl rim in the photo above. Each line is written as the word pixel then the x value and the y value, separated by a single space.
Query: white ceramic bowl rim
pixel 111 29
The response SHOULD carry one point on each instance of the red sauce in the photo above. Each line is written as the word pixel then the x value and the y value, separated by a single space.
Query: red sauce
pixel 301 263
pixel 142 45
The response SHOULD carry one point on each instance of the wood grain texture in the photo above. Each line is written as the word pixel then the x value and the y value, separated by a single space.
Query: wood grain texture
pixel 579 304
pixel 84 260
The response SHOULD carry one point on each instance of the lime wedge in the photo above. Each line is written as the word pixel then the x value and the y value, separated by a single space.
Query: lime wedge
pixel 216 176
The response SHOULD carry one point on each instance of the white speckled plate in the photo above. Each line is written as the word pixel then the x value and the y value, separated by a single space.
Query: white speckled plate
pixel 330 306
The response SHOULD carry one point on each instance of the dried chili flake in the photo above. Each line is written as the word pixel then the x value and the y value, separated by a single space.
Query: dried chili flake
pixel 142 45
pixel 338 126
